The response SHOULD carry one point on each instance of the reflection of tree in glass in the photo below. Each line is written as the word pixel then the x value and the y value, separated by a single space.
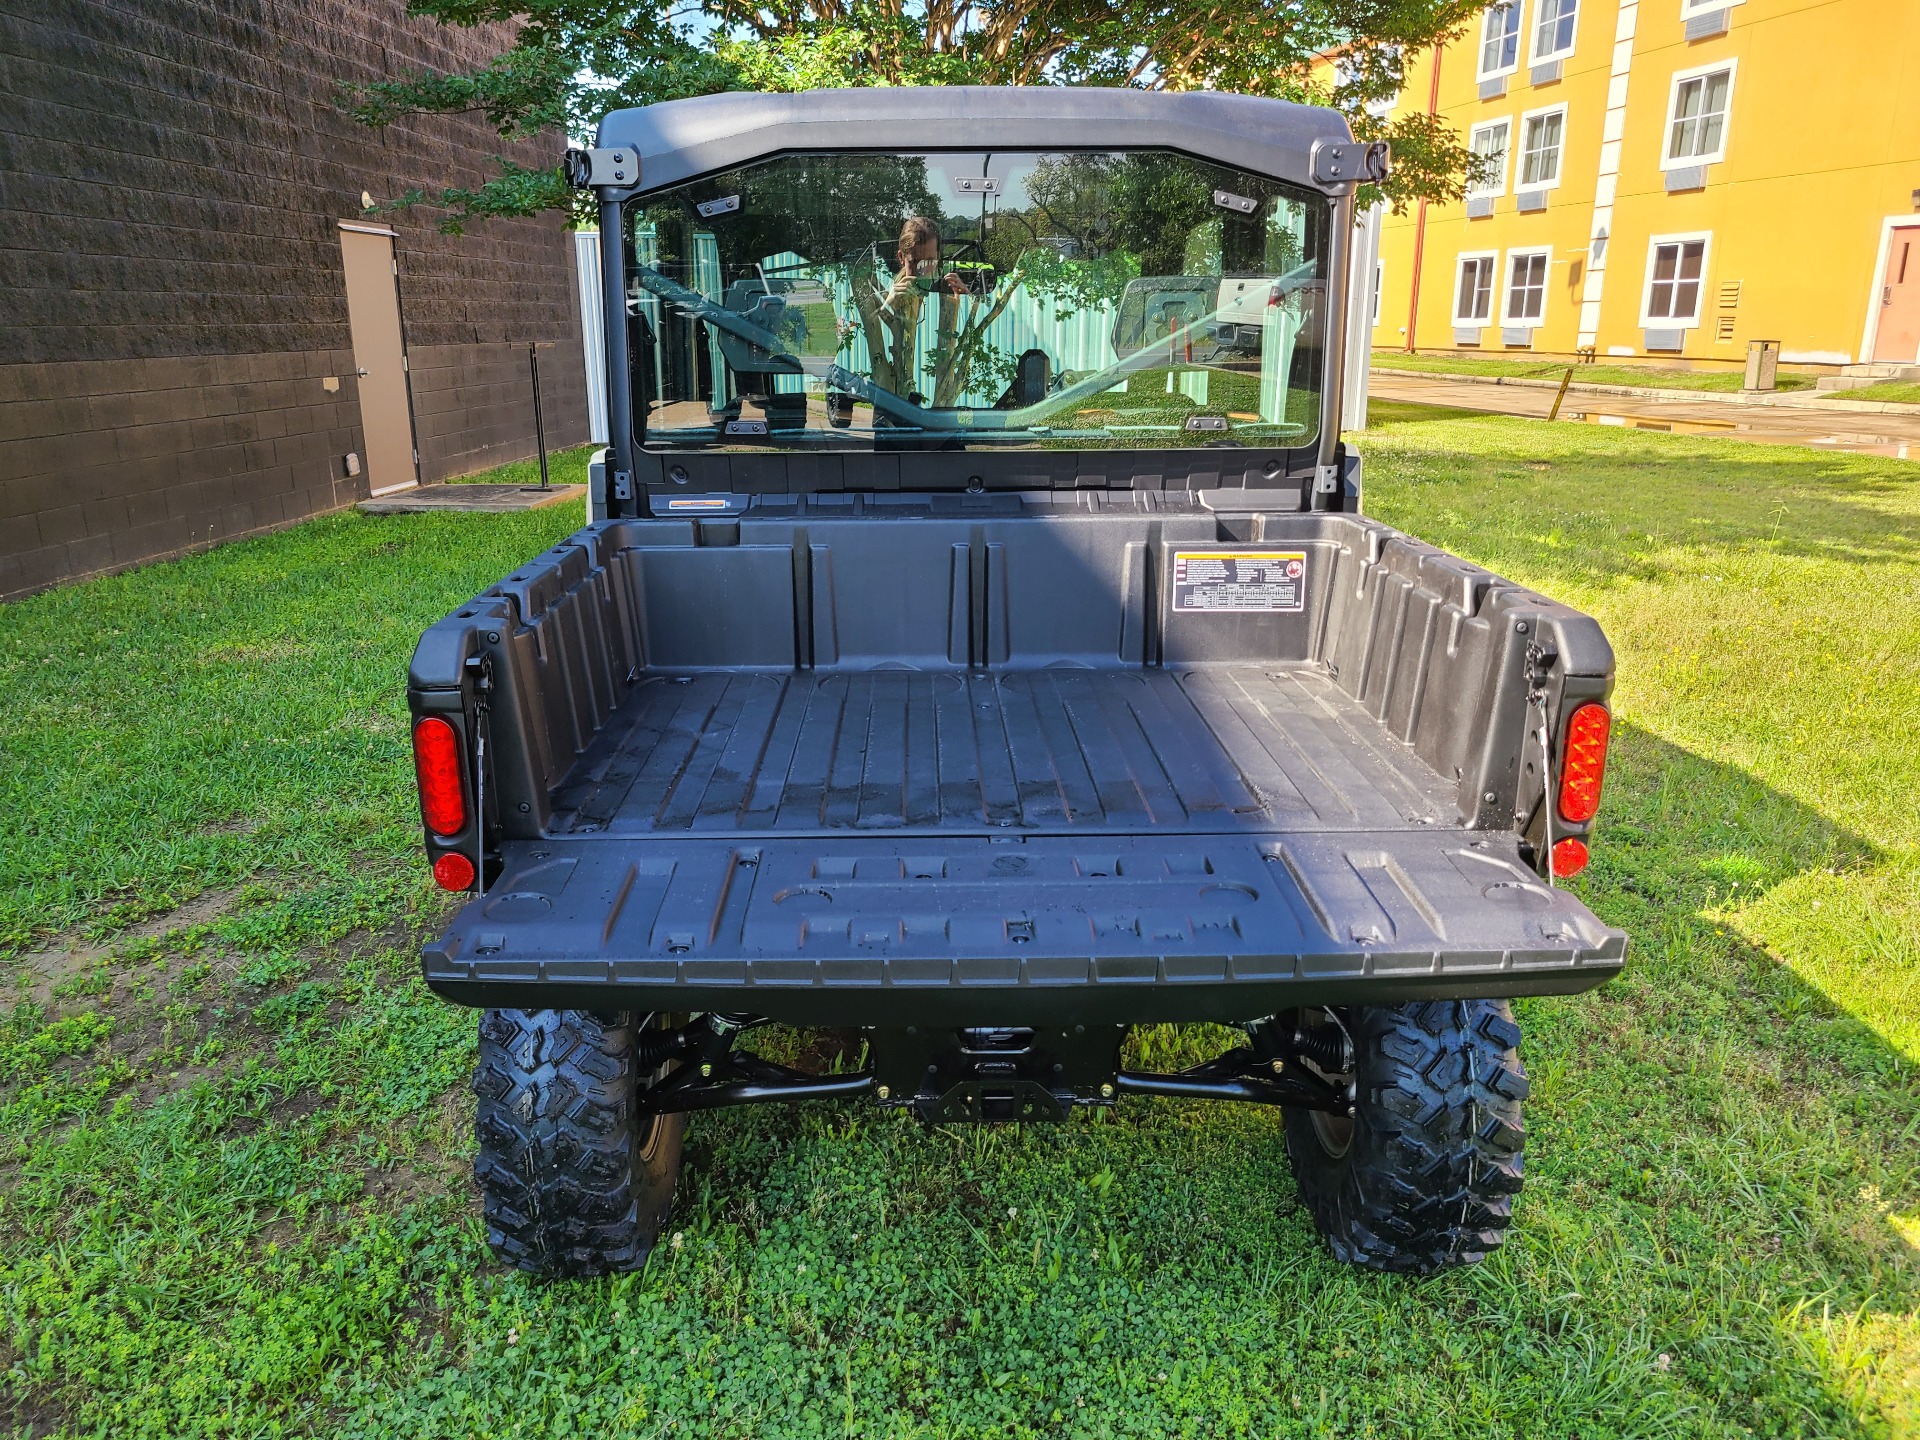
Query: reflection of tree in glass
pixel 867 248
pixel 820 206
pixel 1063 241
pixel 1158 201
pixel 890 301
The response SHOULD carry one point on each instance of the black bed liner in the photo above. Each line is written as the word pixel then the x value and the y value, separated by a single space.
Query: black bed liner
pixel 1225 748
pixel 1051 845
pixel 911 765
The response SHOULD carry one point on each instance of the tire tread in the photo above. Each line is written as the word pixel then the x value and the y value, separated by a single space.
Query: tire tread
pixel 567 1187
pixel 1435 1162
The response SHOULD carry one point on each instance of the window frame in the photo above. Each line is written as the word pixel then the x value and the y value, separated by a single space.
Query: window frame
pixel 1499 188
pixel 1731 65
pixel 1520 150
pixel 1379 288
pixel 1508 319
pixel 1538 56
pixel 1519 8
pixel 1691 8
pixel 1493 288
pixel 1648 321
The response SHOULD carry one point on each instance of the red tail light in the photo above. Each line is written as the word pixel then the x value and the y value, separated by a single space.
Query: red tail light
pixel 1585 764
pixel 1569 857
pixel 454 871
pixel 436 760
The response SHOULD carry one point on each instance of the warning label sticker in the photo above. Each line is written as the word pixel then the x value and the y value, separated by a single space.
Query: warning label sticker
pixel 1240 581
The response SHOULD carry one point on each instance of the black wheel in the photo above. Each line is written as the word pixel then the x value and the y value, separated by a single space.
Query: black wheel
pixel 574 1181
pixel 1423 1174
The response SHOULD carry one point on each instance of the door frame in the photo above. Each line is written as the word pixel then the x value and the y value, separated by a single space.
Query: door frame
pixel 406 367
pixel 1871 335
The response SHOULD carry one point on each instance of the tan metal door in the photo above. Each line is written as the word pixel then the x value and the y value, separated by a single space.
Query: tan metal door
pixel 1898 336
pixel 379 353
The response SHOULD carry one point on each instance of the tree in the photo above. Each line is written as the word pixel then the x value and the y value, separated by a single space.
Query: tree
pixel 573 60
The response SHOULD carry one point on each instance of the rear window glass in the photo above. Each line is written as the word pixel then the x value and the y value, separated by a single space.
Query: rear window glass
pixel 953 300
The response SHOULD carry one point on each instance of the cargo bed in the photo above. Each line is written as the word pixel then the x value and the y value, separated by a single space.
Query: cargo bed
pixel 1222 749
pixel 1224 814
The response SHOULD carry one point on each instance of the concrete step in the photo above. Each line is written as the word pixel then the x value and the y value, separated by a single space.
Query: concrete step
pixel 1872 370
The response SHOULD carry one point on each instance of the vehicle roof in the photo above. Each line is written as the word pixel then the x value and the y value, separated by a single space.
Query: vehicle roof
pixel 680 139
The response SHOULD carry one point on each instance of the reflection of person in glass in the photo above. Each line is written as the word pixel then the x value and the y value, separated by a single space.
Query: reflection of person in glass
pixel 918 269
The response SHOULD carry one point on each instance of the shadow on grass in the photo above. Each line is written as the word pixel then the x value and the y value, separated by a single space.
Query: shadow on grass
pixel 1734 1123
pixel 1408 412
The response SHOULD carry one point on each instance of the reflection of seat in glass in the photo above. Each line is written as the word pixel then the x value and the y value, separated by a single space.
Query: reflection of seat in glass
pixel 1156 306
pixel 1032 378
pixel 764 304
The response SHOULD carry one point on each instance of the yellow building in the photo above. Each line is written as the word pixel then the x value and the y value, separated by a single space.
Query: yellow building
pixel 1675 178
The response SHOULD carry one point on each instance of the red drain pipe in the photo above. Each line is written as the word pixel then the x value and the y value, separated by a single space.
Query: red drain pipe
pixel 1420 218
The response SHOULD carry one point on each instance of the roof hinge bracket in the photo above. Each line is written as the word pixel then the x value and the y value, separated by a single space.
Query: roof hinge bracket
pixel 1350 162
pixel 585 169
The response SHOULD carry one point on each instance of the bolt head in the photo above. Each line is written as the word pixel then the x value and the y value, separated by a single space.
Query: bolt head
pixel 885 1093
pixel 1278 1066
pixel 1489 797
pixel 706 1070
pixel 1106 1092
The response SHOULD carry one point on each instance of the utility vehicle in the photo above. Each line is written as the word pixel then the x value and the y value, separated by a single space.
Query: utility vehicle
pixel 949 661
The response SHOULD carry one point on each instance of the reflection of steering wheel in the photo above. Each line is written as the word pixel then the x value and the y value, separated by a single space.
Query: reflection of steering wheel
pixel 967 260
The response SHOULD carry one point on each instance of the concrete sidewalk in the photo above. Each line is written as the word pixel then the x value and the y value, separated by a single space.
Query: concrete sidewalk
pixel 1824 401
pixel 1700 413
pixel 480 499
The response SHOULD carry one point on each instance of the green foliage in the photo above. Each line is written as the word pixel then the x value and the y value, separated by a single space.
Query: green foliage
pixel 1903 392
pixel 239 1206
pixel 574 60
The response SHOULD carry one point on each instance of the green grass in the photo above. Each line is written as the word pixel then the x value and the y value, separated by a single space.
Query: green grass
pixel 1905 392
pixel 232 1189
pixel 1651 376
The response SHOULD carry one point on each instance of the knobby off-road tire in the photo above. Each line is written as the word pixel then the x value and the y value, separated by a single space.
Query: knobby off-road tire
pixel 573 1180
pixel 1424 1175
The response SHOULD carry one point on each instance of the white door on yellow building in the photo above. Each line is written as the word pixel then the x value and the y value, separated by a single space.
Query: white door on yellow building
pixel 1897 336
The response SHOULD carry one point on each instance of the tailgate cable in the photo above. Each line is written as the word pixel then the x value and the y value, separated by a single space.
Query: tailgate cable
pixel 481 668
pixel 1540 660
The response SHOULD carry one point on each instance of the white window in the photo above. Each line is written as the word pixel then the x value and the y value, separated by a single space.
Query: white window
pixel 1489 143
pixel 1690 8
pixel 1697 116
pixel 1379 283
pixel 1473 288
pixel 1543 136
pixel 1553 26
pixel 1500 40
pixel 1676 270
pixel 1526 286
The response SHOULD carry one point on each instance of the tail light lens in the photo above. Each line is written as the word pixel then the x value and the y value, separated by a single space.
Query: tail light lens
pixel 1585 764
pixel 436 761
pixel 453 871
pixel 1569 857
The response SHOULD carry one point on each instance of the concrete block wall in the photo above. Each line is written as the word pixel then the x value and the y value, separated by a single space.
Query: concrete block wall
pixel 173 173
